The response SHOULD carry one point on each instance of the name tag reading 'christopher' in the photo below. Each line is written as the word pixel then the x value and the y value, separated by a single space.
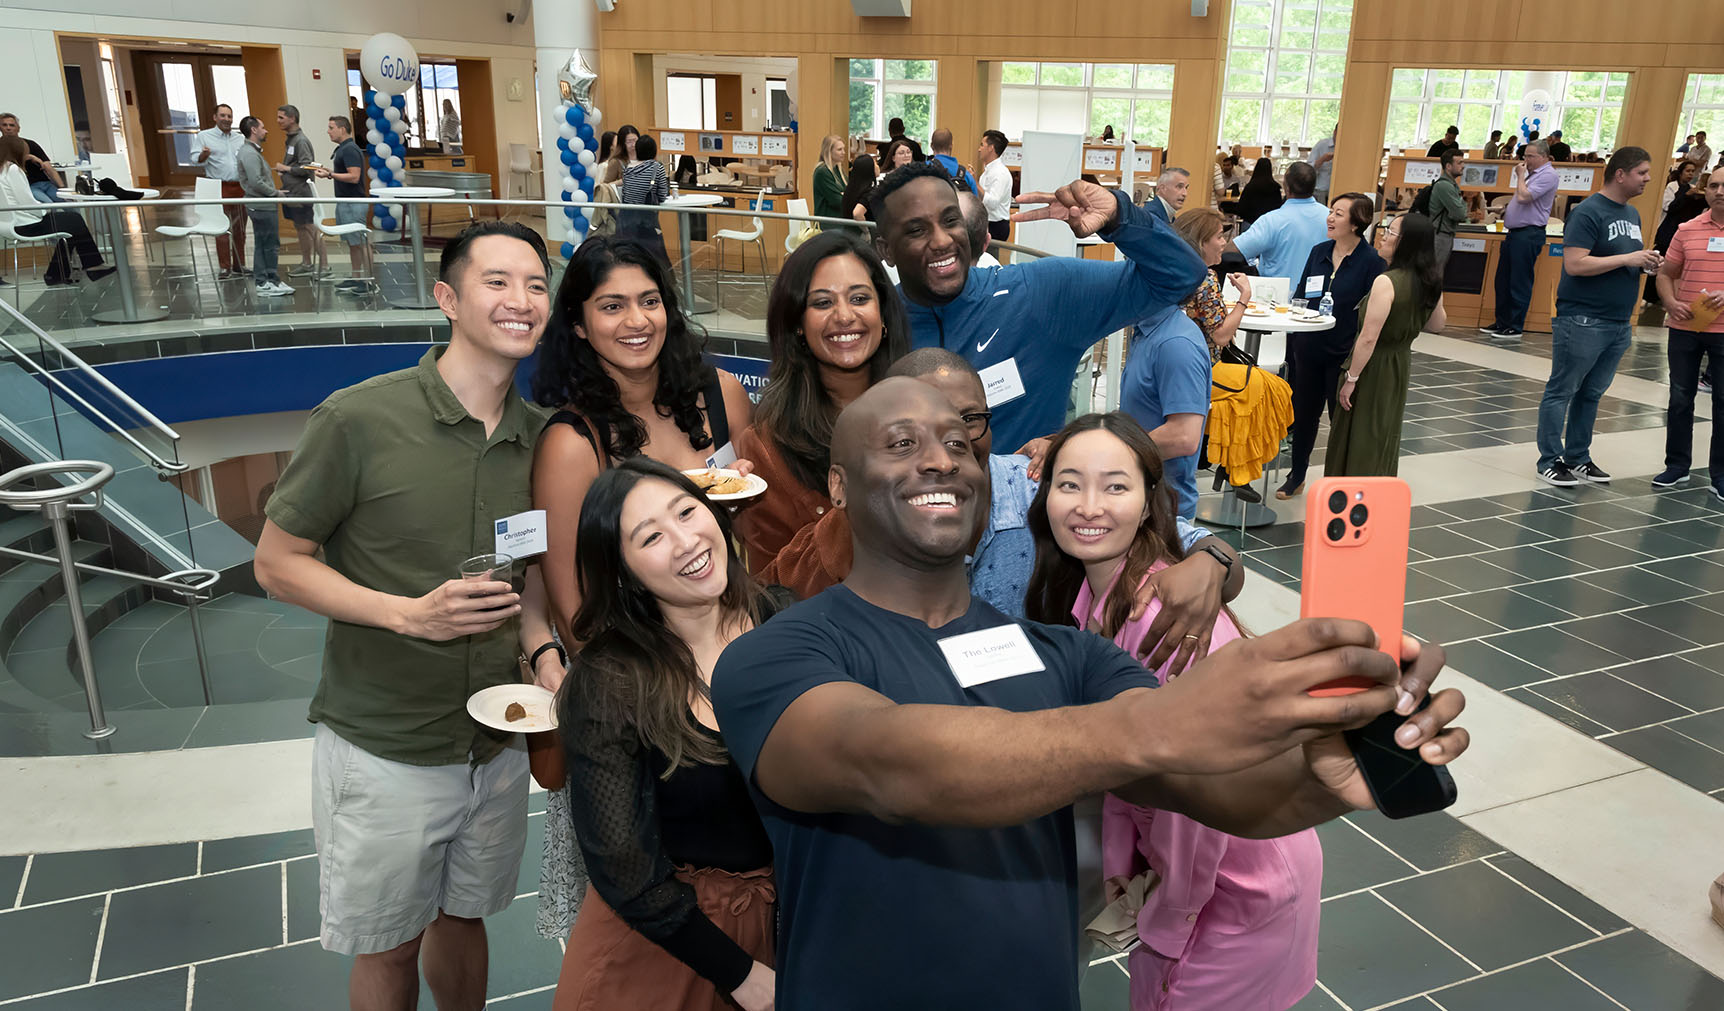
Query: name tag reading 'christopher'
pixel 991 654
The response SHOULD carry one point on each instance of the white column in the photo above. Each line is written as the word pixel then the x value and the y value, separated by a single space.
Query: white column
pixel 558 30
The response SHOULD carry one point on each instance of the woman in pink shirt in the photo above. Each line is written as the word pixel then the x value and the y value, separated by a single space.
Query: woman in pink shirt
pixel 1232 924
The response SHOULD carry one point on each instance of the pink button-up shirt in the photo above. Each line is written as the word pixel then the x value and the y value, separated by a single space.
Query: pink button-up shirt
pixel 1233 923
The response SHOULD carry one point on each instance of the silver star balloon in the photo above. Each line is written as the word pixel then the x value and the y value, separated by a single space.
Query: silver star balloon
pixel 575 81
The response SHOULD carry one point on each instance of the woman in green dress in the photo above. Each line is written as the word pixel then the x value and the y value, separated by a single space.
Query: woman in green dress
pixel 1404 301
pixel 830 178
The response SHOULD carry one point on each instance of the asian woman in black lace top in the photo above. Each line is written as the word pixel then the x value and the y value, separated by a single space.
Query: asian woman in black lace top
pixel 679 915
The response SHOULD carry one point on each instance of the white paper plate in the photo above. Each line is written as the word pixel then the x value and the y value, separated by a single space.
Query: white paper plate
pixel 487 707
pixel 756 483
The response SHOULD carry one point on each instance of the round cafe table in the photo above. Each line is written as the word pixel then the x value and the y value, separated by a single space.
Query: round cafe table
pixel 129 310
pixel 683 205
pixel 1230 510
pixel 408 197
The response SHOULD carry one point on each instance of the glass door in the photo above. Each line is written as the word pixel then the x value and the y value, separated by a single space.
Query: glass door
pixel 182 119
pixel 179 93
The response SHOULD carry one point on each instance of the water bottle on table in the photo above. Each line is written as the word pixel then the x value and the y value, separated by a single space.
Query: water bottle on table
pixel 1327 306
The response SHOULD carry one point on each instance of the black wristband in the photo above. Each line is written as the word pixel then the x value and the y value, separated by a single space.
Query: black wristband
pixel 1220 556
pixel 533 661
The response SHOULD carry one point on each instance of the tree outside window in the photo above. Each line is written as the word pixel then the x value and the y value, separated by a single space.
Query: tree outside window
pixel 883 89
pixel 1086 98
pixel 1286 60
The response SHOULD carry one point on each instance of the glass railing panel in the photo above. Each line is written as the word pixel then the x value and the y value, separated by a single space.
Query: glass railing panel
pixel 171 299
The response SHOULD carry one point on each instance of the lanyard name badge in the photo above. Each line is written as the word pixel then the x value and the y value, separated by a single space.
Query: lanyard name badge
pixel 724 456
pixel 990 655
pixel 522 535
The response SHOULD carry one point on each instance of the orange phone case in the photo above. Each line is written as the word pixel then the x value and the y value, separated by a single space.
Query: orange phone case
pixel 1356 561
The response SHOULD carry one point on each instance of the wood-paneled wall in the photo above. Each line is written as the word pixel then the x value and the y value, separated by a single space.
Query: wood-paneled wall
pixel 962 35
pixel 1660 42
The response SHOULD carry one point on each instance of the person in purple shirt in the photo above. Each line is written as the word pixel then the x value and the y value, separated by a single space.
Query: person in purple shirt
pixel 1534 185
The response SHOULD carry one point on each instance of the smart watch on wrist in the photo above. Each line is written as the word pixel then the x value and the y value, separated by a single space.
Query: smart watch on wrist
pixel 1222 557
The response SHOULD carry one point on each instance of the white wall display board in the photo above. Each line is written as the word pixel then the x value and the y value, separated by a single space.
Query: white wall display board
pixel 673 141
pixel 1051 160
pixel 1100 160
pixel 1014 156
pixel 777 146
pixel 744 144
pixel 1144 161
pixel 1421 172
pixel 1575 179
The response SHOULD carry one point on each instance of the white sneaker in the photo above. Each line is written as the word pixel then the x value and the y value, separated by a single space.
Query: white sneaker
pixel 275 288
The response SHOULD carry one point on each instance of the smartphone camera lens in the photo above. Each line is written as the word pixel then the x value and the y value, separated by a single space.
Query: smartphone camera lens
pixel 1337 529
pixel 1358 515
pixel 1337 501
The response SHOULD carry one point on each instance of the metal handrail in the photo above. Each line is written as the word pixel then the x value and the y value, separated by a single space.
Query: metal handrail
pixel 459 201
pixel 84 368
pixel 206 577
pixel 56 505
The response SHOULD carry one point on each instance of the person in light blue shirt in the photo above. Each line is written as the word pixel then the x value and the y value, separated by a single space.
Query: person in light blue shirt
pixel 1281 240
pixel 1166 389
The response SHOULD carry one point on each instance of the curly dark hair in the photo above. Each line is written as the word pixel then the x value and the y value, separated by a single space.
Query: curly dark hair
pixel 571 375
pixel 795 409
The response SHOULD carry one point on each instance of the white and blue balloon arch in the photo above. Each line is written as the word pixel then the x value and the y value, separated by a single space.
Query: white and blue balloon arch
pixel 577 146
pixel 390 66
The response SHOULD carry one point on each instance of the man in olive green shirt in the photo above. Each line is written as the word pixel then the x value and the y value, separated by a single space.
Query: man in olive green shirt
pixel 1447 207
pixel 419 813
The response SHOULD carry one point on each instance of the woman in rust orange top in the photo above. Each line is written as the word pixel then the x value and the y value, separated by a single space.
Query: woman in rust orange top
pixel 834 324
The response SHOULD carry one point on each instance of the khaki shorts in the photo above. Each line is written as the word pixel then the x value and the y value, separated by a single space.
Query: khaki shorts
pixel 396 843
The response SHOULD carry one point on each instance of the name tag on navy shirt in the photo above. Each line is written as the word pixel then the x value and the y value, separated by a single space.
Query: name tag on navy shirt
pixel 1314 286
pixel 1001 382
pixel 991 654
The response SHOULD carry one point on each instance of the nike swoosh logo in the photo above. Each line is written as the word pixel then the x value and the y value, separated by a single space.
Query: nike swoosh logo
pixel 1002 291
pixel 983 345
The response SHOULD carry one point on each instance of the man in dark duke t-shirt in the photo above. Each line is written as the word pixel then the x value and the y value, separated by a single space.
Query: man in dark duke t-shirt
pixel 915 754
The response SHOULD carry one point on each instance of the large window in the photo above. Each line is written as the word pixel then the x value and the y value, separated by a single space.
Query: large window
pixel 437 82
pixel 1702 106
pixel 1285 63
pixel 1134 99
pixel 691 101
pixel 883 90
pixel 1425 103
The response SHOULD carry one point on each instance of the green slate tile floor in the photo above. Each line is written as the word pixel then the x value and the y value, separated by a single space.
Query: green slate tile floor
pixel 1413 908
